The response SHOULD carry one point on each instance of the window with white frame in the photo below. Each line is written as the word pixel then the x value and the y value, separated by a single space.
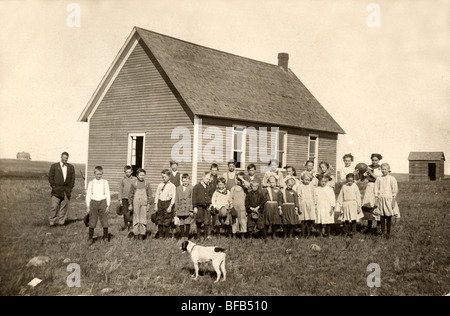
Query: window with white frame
pixel 136 151
pixel 239 146
pixel 282 148
pixel 313 149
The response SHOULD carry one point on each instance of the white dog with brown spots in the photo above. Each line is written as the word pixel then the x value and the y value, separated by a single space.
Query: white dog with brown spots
pixel 201 254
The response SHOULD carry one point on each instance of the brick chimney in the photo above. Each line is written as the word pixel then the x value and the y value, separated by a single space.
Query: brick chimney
pixel 283 60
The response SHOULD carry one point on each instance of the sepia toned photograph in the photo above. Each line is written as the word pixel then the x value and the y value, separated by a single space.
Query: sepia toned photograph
pixel 227 153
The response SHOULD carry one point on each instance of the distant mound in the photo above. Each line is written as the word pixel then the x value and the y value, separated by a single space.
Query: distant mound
pixel 33 169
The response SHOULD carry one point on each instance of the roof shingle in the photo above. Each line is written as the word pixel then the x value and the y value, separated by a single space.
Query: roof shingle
pixel 218 84
pixel 426 155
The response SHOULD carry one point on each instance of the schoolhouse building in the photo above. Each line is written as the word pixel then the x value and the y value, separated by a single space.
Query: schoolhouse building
pixel 164 98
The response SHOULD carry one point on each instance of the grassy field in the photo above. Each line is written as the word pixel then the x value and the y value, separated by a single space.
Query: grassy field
pixel 415 261
pixel 31 169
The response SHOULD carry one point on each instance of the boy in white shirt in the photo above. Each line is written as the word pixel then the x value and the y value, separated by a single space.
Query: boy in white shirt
pixel 98 199
pixel 164 202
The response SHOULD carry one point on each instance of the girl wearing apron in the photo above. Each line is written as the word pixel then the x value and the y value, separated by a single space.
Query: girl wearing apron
pixel 141 197
pixel 368 201
pixel 230 175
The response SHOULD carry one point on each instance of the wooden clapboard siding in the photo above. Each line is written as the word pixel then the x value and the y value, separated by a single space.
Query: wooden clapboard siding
pixel 328 148
pixel 418 169
pixel 297 149
pixel 297 146
pixel 140 100
pixel 203 165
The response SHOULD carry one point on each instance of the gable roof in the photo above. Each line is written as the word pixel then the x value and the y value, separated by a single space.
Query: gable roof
pixel 426 155
pixel 218 84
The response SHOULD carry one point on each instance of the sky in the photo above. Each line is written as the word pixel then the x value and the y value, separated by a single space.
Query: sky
pixel 388 87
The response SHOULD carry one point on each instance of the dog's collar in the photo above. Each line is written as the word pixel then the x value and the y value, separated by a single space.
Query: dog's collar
pixel 190 249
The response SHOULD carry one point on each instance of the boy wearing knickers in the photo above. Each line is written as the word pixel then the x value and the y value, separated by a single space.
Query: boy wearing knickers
pixel 164 202
pixel 201 201
pixel 98 199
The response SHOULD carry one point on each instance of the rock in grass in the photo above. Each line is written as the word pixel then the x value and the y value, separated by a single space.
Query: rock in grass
pixel 397 265
pixel 315 247
pixel 106 290
pixel 38 261
pixel 67 260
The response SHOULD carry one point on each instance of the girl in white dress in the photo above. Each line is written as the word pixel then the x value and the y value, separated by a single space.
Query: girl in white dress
pixel 344 171
pixel 291 174
pixel 348 168
pixel 310 169
pixel 325 203
pixel 307 212
pixel 368 202
pixel 386 190
pixel 237 201
pixel 349 201
pixel 325 169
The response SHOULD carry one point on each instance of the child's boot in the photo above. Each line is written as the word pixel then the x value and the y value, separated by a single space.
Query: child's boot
pixel 207 230
pixel 378 228
pixel 383 226
pixel 388 228
pixel 369 227
pixel 290 231
pixel 125 224
pixel 106 234
pixel 160 233
pixel 90 240
pixel 345 228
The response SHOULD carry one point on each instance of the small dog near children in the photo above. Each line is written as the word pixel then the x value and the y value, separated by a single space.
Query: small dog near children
pixel 201 254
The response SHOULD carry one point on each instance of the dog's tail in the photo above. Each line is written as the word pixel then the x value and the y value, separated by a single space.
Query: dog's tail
pixel 218 249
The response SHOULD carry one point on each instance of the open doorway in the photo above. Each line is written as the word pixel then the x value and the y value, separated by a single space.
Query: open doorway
pixel 432 171
pixel 136 151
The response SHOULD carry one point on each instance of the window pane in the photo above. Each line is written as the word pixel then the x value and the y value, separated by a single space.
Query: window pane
pixel 238 139
pixel 312 147
pixel 237 156
pixel 281 140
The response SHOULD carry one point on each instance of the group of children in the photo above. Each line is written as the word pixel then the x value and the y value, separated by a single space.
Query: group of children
pixel 240 204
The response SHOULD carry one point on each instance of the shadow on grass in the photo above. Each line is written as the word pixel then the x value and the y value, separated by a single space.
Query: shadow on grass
pixel 99 239
pixel 72 221
pixel 44 222
pixel 202 271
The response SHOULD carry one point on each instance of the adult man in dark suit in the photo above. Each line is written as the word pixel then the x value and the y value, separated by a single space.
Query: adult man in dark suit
pixel 62 180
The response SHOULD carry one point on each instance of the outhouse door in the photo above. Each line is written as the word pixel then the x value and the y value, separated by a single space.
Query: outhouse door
pixel 432 171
